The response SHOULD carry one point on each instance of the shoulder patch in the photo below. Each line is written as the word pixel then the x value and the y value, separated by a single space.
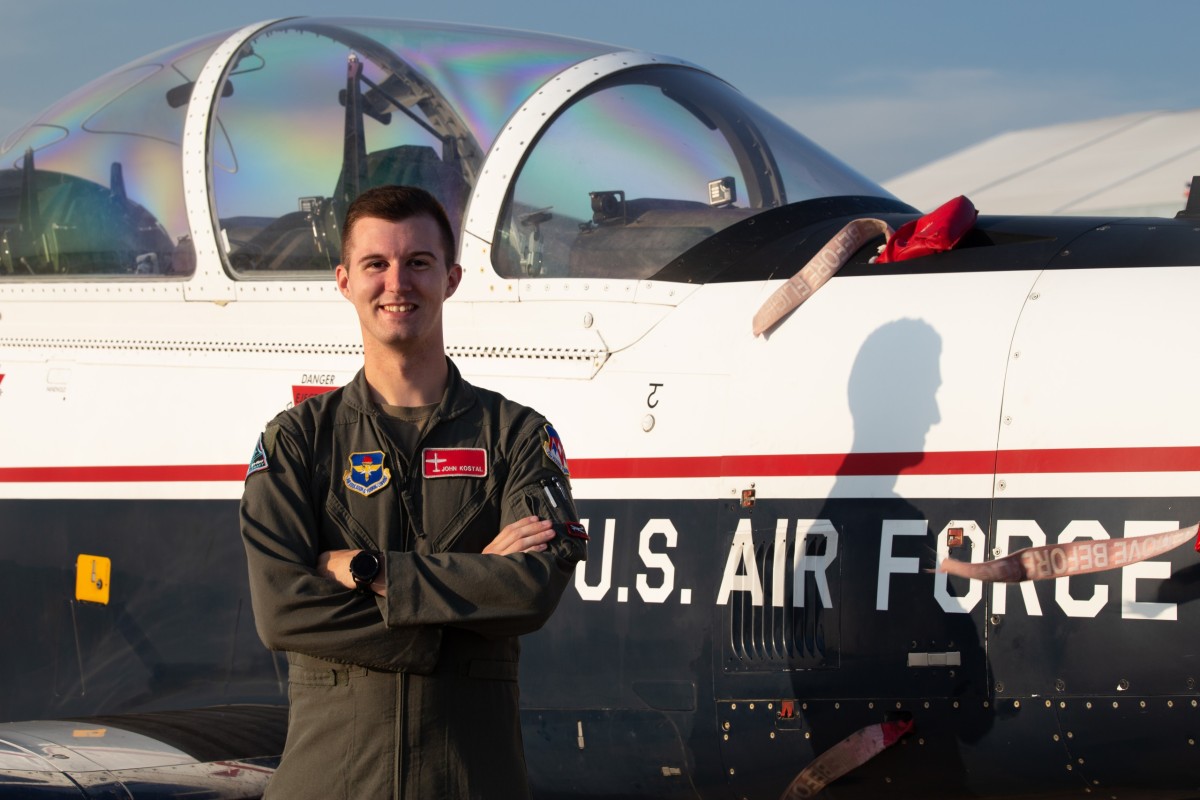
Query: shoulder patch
pixel 258 461
pixel 553 450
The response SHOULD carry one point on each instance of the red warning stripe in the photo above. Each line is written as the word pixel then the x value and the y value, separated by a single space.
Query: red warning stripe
pixel 808 465
pixel 967 462
pixel 964 462
pixel 139 474
pixel 1100 459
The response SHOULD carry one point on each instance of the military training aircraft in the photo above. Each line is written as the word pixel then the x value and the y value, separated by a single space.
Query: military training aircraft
pixel 762 612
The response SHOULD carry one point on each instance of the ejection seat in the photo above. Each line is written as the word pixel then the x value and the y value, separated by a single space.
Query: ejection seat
pixel 310 239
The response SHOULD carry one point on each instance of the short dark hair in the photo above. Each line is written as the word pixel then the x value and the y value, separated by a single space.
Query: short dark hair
pixel 396 204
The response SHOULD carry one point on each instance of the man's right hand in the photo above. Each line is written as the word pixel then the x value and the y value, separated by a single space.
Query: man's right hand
pixel 527 535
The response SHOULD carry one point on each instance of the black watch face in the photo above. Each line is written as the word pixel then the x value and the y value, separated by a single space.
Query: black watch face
pixel 364 567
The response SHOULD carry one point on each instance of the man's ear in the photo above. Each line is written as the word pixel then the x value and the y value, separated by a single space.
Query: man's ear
pixel 453 279
pixel 342 275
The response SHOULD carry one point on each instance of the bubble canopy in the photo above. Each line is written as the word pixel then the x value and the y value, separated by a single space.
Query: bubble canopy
pixel 574 158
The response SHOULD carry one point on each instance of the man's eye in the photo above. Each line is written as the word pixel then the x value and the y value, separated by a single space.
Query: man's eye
pixel 420 263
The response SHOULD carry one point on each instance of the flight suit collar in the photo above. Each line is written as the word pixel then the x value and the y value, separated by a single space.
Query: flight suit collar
pixel 458 398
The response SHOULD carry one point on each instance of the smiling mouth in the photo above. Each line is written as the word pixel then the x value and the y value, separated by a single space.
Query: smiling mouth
pixel 399 308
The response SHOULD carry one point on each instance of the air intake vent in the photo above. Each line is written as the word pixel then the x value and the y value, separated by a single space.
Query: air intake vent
pixel 776 637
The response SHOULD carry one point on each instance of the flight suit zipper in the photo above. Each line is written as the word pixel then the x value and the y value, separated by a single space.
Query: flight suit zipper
pixel 410 521
pixel 412 481
pixel 398 771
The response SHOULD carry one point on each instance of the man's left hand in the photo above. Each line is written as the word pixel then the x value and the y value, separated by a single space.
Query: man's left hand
pixel 526 535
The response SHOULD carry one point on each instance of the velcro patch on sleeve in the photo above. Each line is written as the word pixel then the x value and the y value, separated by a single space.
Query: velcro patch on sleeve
pixel 454 462
pixel 258 461
pixel 576 530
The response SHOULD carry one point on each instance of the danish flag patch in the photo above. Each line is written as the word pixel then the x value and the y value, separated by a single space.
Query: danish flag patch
pixel 454 462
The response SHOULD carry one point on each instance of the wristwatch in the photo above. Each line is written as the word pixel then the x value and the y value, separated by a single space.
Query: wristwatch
pixel 364 568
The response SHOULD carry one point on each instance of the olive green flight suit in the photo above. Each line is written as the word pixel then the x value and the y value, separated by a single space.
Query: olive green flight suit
pixel 412 695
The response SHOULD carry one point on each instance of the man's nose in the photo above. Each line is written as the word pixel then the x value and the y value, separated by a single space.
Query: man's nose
pixel 398 278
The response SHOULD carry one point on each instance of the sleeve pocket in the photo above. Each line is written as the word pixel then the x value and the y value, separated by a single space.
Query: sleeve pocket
pixel 548 500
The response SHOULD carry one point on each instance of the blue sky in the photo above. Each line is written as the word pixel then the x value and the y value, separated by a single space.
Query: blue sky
pixel 886 86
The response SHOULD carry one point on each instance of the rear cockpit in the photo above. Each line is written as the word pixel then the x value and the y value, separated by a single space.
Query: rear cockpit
pixel 556 158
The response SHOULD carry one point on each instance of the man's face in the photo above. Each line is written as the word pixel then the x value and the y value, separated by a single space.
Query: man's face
pixel 395 274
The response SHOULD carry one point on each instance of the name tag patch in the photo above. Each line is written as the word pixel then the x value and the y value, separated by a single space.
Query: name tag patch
pixel 454 462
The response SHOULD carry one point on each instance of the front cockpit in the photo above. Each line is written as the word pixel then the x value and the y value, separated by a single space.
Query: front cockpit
pixel 233 157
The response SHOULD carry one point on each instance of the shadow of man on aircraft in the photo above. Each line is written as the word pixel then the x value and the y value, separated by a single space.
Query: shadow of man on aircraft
pixel 888 647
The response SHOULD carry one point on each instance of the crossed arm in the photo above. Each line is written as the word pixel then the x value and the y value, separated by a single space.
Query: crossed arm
pixel 526 535
pixel 300 596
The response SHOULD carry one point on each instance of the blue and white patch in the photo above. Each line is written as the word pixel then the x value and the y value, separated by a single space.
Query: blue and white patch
pixel 258 461
pixel 553 449
pixel 367 475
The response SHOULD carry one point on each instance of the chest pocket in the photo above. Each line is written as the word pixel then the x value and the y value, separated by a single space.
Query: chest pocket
pixel 356 536
pixel 343 529
pixel 462 513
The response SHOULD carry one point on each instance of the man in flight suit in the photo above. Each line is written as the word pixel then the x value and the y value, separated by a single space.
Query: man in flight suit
pixel 401 532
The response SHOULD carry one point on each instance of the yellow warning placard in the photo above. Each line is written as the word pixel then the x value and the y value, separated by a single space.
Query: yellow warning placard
pixel 92 575
pixel 89 733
